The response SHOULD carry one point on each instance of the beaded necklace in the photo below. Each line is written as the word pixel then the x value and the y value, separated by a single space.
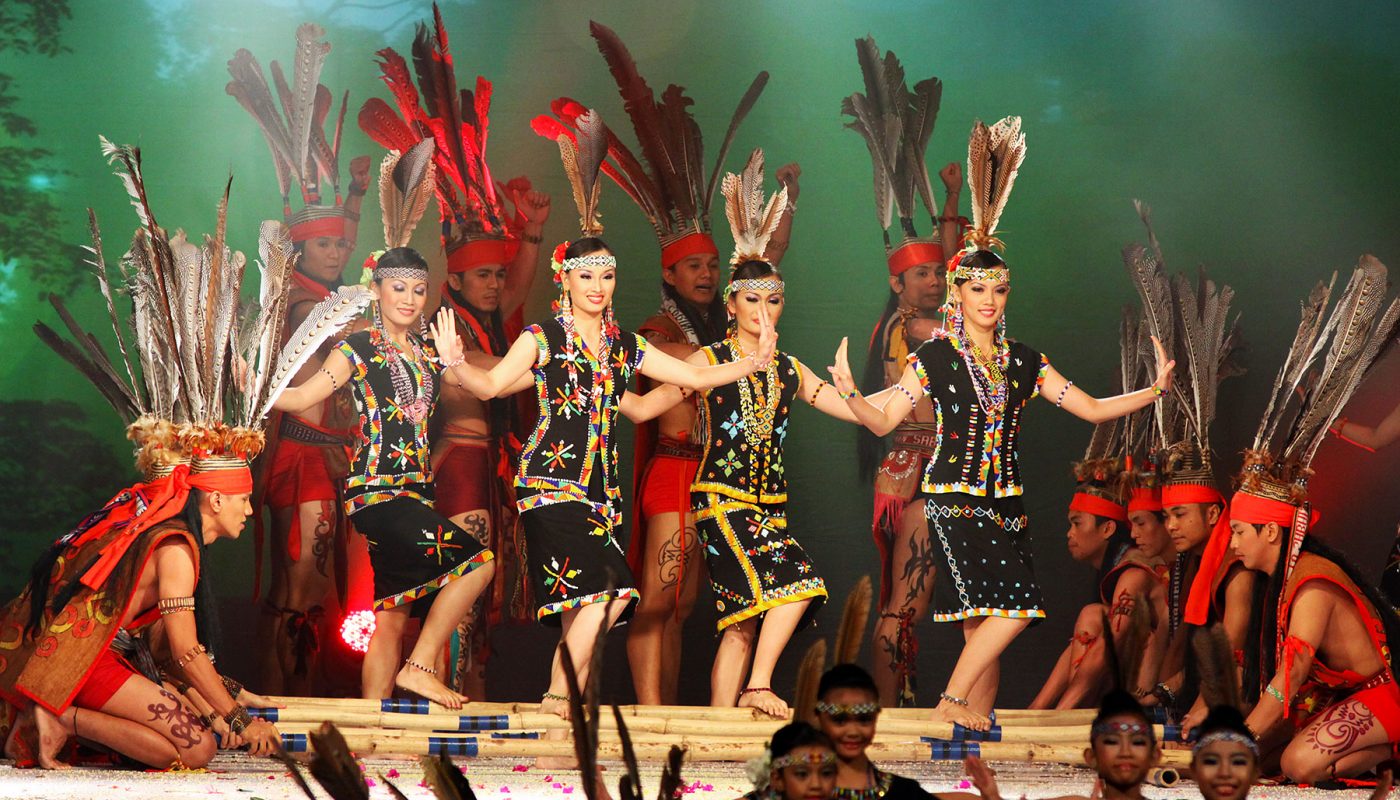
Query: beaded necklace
pixel 988 372
pixel 409 394
pixel 758 404
pixel 601 362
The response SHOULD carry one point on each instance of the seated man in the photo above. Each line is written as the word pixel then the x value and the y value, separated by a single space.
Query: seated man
pixel 134 563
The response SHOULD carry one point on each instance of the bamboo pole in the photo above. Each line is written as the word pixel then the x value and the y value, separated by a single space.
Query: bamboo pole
pixel 698 748
pixel 1020 716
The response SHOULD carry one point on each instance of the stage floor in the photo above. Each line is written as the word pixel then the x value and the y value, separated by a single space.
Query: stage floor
pixel 239 776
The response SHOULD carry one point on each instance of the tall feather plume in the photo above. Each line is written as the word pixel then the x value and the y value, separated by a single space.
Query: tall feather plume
pixel 1203 312
pixel 751 220
pixel 98 262
pixel 300 104
pixel 113 392
pixel 855 615
pixel 746 104
pixel 583 158
pixel 249 87
pixel 672 190
pixel 324 320
pixel 405 184
pixel 809 673
pixel 880 120
pixel 258 347
pixel 1360 330
pixel 994 157
pixel 1296 362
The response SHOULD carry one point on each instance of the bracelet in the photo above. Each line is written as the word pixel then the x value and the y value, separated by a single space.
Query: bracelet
pixel 817 392
pixel 1059 401
pixel 353 216
pixel 238 719
pixel 193 653
pixel 1165 694
pixel 233 687
pixel 1158 391
pixel 457 362
pixel 957 701
pixel 1274 692
pixel 532 239
pixel 913 401
pixel 356 190
pixel 851 395
pixel 756 690
pixel 563 698
pixel 334 383
pixel 175 605
pixel 410 662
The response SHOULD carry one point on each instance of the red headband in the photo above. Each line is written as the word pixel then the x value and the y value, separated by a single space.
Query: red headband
pixel 911 254
pixel 1255 510
pixel 1091 504
pixel 238 480
pixel 480 252
pixel 316 228
pixel 1198 600
pixel 689 245
pixel 1143 499
pixel 1175 494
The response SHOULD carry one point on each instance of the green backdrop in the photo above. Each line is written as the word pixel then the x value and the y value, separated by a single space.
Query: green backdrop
pixel 1261 133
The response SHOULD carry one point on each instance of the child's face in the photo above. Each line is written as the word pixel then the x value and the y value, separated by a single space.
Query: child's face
pixel 1225 770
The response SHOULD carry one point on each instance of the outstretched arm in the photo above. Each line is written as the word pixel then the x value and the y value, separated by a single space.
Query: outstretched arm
pixel 1059 390
pixel 891 406
pixel 649 406
pixel 333 374
pixel 499 380
pixel 664 368
pixel 827 399
pixel 1367 437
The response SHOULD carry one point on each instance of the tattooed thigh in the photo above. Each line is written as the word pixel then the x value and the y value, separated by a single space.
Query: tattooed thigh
pixel 184 726
pixel 478 525
pixel 1341 728
pixel 322 536
pixel 671 556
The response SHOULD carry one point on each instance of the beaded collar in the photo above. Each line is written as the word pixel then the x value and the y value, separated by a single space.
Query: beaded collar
pixel 988 372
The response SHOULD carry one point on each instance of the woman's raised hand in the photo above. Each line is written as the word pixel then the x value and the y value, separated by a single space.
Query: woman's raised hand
pixel 841 370
pixel 444 332
pixel 767 337
pixel 1164 367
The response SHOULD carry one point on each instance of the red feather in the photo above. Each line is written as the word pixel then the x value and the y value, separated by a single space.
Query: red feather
pixel 394 71
pixel 384 126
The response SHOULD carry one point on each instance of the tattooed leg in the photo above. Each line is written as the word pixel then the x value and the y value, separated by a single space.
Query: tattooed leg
pixel 1345 738
pixel 473 634
pixel 895 643
pixel 662 567
pixel 148 723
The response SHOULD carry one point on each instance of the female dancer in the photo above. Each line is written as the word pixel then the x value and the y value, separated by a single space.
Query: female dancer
pixel 417 554
pixel 979 382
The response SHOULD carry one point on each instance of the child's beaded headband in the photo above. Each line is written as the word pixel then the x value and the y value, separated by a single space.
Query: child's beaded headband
pixel 811 759
pixel 1226 736
pixel 1129 728
pixel 856 709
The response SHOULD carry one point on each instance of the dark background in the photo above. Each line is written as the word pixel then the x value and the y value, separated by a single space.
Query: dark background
pixel 1261 133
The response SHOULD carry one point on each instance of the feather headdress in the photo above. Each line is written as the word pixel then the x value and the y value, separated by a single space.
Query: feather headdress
pixel 1323 368
pixel 751 220
pixel 294 125
pixel 994 156
pixel 897 124
pixel 477 227
pixel 672 190
pixel 1099 488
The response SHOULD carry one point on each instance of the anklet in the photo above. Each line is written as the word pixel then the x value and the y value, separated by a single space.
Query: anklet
pixel 957 701
pixel 755 690
pixel 563 698
pixel 410 662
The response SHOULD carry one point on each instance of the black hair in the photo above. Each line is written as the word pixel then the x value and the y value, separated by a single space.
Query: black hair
pixel 1118 703
pixel 871 449
pixel 795 735
pixel 846 676
pixel 980 259
pixel 402 257
pixel 1119 543
pixel 40 576
pixel 1260 660
pixel 1225 719
pixel 584 245
pixel 754 269
pixel 708 322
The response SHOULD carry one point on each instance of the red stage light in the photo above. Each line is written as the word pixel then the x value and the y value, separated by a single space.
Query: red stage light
pixel 356 630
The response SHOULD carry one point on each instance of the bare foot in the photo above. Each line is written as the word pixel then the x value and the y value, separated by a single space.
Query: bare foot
pixel 961 715
pixel 556 762
pixel 54 732
pixel 764 700
pixel 426 685
pixel 22 745
pixel 557 707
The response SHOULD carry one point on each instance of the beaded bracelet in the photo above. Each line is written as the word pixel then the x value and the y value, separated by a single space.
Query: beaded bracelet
pixel 563 698
pixel 457 362
pixel 1276 694
pixel 1158 391
pixel 851 395
pixel 913 401
pixel 817 392
pixel 335 384
pixel 175 605
pixel 190 655
pixel 957 701
pixel 410 662
pixel 238 719
pixel 1061 399
pixel 531 239
pixel 233 687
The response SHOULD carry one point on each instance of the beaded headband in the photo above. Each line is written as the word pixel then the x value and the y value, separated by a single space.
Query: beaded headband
pixel 599 260
pixel 812 759
pixel 374 272
pixel 962 272
pixel 1130 728
pixel 1226 736
pixel 857 709
pixel 769 284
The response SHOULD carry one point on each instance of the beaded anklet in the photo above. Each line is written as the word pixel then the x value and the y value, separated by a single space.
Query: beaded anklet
pixel 957 701
pixel 410 662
